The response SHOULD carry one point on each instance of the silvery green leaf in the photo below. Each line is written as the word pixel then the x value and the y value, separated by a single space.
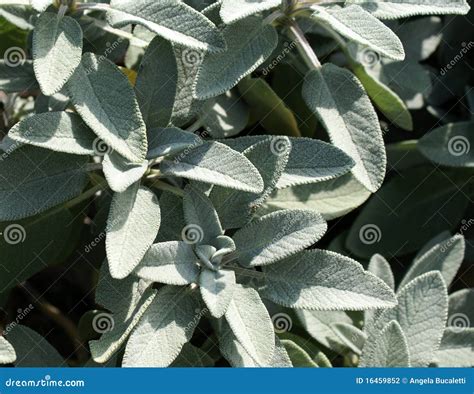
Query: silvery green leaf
pixel 234 10
pixel 384 98
pixel 171 19
pixel 117 327
pixel 396 9
pixel 7 353
pixel 215 163
pixel 217 288
pixel 58 131
pixel 41 5
pixel 438 239
pixel 249 43
pixel 19 78
pixel 449 145
pixel 186 106
pixel 324 280
pixel 132 226
pixel 167 324
pixel 248 319
pixel 276 236
pixel 356 24
pixel 456 349
pixel 320 325
pixel 33 350
pixel 172 263
pixel 298 356
pixel 313 161
pixel 421 312
pixel 199 212
pixel 119 296
pixel 57 50
pixel 225 116
pixel 446 257
pixel 353 338
pixel 120 173
pixel 115 118
pixel 156 91
pixel 332 199
pixel 169 141
pixel 461 313
pixel 33 180
pixel 172 218
pixel 242 143
pixel 192 356
pixel 237 356
pixel 388 349
pixel 381 269
pixel 236 207
pixel 350 120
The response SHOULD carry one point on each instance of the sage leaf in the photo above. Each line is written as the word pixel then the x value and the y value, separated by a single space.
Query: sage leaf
pixel 421 312
pixel 388 349
pixel 17 79
pixel 332 199
pixel 173 20
pixel 395 9
pixel 156 91
pixel 32 349
pixel 249 321
pixel 236 207
pixel 456 349
pixel 234 10
pixel 445 257
pixel 169 141
pixel 215 163
pixel 461 314
pixel 7 353
pixel 132 226
pixel 381 269
pixel 59 131
pixel 172 263
pixel 324 280
pixel 349 119
pixel 249 43
pixel 121 174
pixel 449 145
pixel 298 356
pixel 42 181
pixel 199 211
pixel 57 50
pixel 356 24
pixel 167 324
pixel 276 236
pixel 313 161
pixel 116 118
pixel 217 289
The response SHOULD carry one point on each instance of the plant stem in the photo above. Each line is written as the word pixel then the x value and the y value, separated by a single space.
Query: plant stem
pixel 167 187
pixel 304 48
